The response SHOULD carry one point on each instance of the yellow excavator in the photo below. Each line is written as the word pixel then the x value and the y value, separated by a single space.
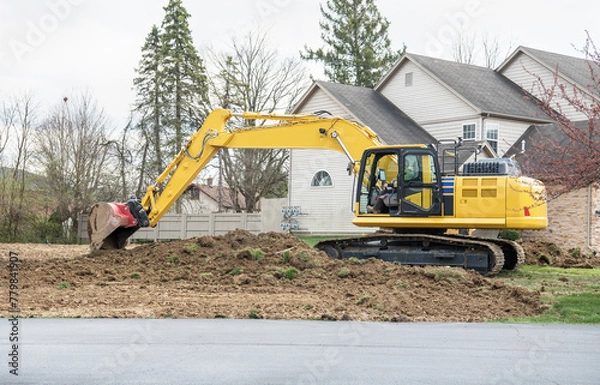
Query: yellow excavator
pixel 399 188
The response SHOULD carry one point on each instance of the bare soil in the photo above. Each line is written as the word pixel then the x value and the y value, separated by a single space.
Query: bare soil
pixel 225 276
pixel 542 253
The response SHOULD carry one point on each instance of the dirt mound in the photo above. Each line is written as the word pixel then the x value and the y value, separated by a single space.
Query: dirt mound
pixel 270 275
pixel 542 253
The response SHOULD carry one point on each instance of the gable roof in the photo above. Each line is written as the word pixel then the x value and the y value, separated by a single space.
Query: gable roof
pixel 372 109
pixel 485 90
pixel 546 133
pixel 560 156
pixel 212 192
pixel 573 69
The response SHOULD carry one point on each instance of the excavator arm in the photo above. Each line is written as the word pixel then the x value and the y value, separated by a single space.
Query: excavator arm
pixel 110 224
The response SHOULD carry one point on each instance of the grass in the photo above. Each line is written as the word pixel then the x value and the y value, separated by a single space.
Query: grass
pixel 312 240
pixel 554 280
pixel 191 248
pixel 290 273
pixel 450 275
pixel 257 254
pixel 568 309
pixel 356 261
pixel 64 285
pixel 254 254
pixel 286 257
pixel 254 314
pixel 572 294
pixel 344 272
pixel 303 256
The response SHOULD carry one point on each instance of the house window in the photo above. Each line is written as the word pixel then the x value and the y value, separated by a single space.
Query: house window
pixel 408 79
pixel 194 193
pixel 322 179
pixel 491 134
pixel 469 131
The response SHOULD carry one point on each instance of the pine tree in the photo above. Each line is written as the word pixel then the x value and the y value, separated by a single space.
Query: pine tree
pixel 184 75
pixel 150 103
pixel 357 47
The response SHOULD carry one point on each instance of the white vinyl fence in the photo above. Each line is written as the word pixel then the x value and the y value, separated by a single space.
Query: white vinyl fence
pixel 182 226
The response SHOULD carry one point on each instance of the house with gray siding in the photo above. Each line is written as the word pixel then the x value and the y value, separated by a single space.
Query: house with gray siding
pixel 451 100
pixel 526 67
pixel 422 100
pixel 319 182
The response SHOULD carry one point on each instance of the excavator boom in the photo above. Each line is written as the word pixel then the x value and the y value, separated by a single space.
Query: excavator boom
pixel 108 221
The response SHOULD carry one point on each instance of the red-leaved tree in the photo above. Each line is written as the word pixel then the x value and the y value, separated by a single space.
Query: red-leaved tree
pixel 565 155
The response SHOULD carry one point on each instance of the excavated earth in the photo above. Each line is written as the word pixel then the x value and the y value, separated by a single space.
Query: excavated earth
pixel 544 253
pixel 240 275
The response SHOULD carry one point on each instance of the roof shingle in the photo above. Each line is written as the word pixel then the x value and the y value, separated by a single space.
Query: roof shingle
pixel 374 110
pixel 484 88
pixel 576 69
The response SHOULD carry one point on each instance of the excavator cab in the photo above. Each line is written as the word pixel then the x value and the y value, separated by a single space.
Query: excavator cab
pixel 400 181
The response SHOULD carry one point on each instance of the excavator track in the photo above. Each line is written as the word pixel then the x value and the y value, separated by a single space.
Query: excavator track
pixel 486 256
pixel 514 255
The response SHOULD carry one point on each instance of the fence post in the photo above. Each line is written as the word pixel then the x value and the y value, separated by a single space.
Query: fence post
pixel 156 233
pixel 244 221
pixel 262 222
pixel 82 226
pixel 183 229
pixel 211 224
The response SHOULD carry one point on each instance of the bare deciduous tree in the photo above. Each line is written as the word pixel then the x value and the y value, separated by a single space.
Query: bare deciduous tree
pixel 491 51
pixel 486 50
pixel 72 146
pixel 463 48
pixel 18 117
pixel 122 156
pixel 253 77
pixel 5 127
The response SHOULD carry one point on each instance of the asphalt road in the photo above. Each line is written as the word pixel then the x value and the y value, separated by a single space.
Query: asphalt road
pixel 133 351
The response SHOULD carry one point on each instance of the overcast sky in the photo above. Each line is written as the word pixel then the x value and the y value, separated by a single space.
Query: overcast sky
pixel 58 47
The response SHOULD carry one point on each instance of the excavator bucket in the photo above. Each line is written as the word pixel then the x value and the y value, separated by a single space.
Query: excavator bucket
pixel 110 225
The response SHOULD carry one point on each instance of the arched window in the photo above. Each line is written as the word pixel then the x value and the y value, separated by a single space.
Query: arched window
pixel 322 179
